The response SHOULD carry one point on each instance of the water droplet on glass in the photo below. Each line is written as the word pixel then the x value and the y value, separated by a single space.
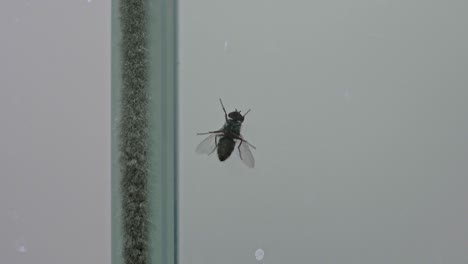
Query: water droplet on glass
pixel 259 254
pixel 347 94
pixel 20 246
pixel 21 249
pixel 225 46
pixel 15 215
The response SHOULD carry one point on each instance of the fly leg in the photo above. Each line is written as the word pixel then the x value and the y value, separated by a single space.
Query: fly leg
pixel 225 114
pixel 243 140
pixel 210 132
pixel 238 148
pixel 250 144
pixel 216 144
pixel 240 144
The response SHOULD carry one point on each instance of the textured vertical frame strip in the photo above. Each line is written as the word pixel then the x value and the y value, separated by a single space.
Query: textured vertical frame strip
pixel 144 131
pixel 134 131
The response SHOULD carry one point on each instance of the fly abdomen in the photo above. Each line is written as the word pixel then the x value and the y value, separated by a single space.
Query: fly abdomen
pixel 225 147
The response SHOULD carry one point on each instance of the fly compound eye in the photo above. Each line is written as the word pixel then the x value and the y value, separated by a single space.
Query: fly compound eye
pixel 236 116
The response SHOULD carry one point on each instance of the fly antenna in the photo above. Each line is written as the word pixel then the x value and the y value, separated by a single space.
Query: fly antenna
pixel 246 113
pixel 225 114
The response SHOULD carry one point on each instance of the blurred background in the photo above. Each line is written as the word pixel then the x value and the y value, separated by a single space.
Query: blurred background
pixel 54 131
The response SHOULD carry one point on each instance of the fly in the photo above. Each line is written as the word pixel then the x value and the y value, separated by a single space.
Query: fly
pixel 225 139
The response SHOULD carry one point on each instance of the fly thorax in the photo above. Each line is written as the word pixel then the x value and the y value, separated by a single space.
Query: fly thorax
pixel 233 126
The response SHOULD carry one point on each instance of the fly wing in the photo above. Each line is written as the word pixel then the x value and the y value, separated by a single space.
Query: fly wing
pixel 246 155
pixel 208 145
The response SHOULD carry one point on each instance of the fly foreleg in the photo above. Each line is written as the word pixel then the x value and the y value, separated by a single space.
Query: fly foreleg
pixel 225 114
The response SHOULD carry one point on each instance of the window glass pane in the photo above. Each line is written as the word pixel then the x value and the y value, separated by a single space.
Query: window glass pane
pixel 358 116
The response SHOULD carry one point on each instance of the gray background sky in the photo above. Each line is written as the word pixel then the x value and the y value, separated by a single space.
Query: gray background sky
pixel 359 116
pixel 54 132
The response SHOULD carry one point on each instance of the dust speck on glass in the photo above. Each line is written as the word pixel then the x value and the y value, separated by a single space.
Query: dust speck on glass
pixel 225 139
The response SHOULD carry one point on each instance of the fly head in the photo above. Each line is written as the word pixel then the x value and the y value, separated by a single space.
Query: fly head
pixel 236 116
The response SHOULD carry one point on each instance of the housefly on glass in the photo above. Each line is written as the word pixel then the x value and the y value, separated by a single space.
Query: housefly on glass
pixel 225 139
